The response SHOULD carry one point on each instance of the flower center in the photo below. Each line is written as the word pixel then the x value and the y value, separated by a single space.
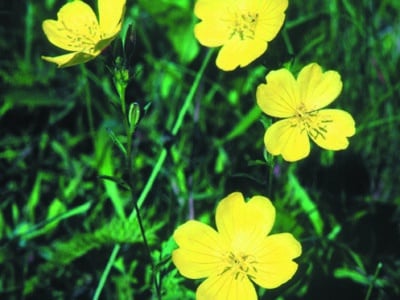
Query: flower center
pixel 244 25
pixel 240 265
pixel 83 37
pixel 311 122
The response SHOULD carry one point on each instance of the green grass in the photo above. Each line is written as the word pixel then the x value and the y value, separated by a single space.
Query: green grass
pixel 69 227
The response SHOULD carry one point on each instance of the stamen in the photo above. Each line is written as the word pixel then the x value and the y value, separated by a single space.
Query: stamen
pixel 311 122
pixel 240 265
pixel 244 25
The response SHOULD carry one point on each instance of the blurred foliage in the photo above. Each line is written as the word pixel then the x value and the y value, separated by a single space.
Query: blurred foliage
pixel 64 198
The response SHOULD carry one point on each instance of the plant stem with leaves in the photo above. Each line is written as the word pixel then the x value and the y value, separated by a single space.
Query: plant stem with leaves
pixel 156 170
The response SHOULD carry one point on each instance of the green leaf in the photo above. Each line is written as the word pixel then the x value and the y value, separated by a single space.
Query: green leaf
pixel 334 232
pixel 221 161
pixel 300 195
pixel 32 98
pixel 184 42
pixel 352 275
pixel 56 209
pixel 2 226
pixel 115 232
pixel 56 213
pixel 117 180
pixel 105 167
pixel 34 198
pixel 178 18
pixel 246 121
pixel 116 141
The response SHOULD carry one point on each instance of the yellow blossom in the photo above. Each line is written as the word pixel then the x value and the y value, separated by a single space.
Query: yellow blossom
pixel 239 253
pixel 77 30
pixel 300 102
pixel 241 27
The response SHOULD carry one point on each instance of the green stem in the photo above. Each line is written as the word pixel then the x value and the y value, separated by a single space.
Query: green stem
pixel 155 171
pixel 372 282
pixel 150 181
pixel 106 271
pixel 88 102
pixel 270 175
pixel 29 22
pixel 191 94
pixel 121 88
pixel 288 43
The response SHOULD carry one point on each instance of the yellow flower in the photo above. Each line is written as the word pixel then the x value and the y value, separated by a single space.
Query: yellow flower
pixel 241 27
pixel 77 30
pixel 300 101
pixel 239 253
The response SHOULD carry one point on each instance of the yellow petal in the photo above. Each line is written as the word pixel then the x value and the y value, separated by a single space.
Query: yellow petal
pixel 226 286
pixel 80 20
pixel 200 250
pixel 211 33
pixel 58 35
pixel 243 224
pixel 70 59
pixel 211 9
pixel 275 264
pixel 238 52
pixel 331 129
pixel 317 88
pixel 111 13
pixel 271 17
pixel 76 28
pixel 279 97
pixel 261 208
pixel 287 138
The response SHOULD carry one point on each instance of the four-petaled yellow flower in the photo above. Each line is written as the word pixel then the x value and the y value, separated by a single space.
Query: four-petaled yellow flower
pixel 78 30
pixel 239 253
pixel 300 101
pixel 241 27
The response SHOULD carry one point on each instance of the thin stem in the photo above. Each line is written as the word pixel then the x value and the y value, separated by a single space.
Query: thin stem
pixel 191 94
pixel 146 244
pixel 29 22
pixel 270 175
pixel 288 43
pixel 372 282
pixel 106 271
pixel 150 182
pixel 121 91
pixel 88 102
pixel 155 171
pixel 121 88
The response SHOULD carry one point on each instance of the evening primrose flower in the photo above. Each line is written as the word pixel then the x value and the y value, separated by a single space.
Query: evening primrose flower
pixel 78 30
pixel 239 253
pixel 299 102
pixel 241 27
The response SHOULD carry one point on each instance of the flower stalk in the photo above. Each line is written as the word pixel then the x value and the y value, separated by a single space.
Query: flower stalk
pixel 156 170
